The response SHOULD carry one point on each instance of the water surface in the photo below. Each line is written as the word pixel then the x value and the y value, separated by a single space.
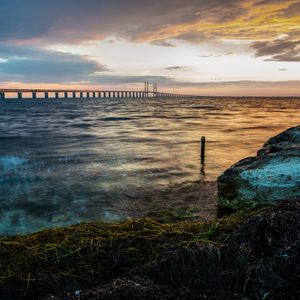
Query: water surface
pixel 65 161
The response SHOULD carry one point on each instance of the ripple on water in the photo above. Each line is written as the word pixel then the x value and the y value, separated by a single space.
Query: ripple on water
pixel 63 162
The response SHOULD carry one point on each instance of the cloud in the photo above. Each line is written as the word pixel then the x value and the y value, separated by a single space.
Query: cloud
pixel 72 21
pixel 174 68
pixel 213 55
pixel 157 22
pixel 282 49
pixel 292 11
pixel 219 25
pixel 266 2
pixel 163 43
pixel 38 65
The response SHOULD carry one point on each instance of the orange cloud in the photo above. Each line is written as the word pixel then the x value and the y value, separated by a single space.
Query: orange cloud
pixel 259 20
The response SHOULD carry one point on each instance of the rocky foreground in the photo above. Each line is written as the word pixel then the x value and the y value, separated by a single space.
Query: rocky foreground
pixel 252 253
pixel 273 175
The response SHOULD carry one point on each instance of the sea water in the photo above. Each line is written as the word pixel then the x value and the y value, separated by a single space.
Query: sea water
pixel 65 161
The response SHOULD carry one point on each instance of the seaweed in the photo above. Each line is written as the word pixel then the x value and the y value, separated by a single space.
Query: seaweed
pixel 144 259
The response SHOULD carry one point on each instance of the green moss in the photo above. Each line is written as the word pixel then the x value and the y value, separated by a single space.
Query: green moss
pixel 79 256
pixel 226 207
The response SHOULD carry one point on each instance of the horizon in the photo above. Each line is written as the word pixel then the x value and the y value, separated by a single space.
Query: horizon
pixel 228 48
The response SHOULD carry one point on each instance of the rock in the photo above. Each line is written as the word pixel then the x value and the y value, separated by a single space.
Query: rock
pixel 273 175
pixel 289 139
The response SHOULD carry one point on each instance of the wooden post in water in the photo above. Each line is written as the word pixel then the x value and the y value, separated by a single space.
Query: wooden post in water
pixel 203 142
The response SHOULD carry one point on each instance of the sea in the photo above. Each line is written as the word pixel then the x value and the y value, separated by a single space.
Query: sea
pixel 65 161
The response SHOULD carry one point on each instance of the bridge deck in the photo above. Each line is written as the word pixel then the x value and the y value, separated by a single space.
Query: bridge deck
pixel 60 93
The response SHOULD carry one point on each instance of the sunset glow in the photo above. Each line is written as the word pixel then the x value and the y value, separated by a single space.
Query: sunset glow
pixel 198 47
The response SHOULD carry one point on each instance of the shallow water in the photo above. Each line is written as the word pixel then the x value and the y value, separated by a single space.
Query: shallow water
pixel 65 161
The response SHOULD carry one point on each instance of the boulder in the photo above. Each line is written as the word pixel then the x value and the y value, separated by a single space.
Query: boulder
pixel 273 175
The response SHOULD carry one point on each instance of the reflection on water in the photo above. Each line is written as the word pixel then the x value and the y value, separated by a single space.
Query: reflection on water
pixel 65 161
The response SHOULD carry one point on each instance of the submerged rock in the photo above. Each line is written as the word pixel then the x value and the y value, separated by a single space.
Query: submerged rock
pixel 273 175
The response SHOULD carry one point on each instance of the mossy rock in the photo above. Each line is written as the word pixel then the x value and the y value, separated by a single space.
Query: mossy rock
pixel 246 255
pixel 78 256
pixel 273 175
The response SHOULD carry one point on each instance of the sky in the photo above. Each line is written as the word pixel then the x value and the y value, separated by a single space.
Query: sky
pixel 201 47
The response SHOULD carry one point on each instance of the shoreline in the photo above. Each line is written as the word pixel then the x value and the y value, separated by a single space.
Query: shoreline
pixel 186 201
pixel 250 250
pixel 111 261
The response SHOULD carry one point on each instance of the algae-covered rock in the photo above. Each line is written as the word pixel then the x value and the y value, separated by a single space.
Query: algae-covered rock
pixel 287 140
pixel 273 175
pixel 252 255
pixel 259 259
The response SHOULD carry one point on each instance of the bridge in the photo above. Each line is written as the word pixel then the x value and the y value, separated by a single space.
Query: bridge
pixel 73 94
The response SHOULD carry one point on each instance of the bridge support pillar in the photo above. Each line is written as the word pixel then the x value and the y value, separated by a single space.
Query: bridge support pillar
pixel 57 95
pixel 2 95
pixel 20 95
pixel 46 95
pixel 33 95
pixel 81 95
pixel 74 95
pixel 88 95
pixel 94 95
pixel 66 95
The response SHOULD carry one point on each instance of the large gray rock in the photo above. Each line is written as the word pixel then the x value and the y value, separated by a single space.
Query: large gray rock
pixel 273 175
